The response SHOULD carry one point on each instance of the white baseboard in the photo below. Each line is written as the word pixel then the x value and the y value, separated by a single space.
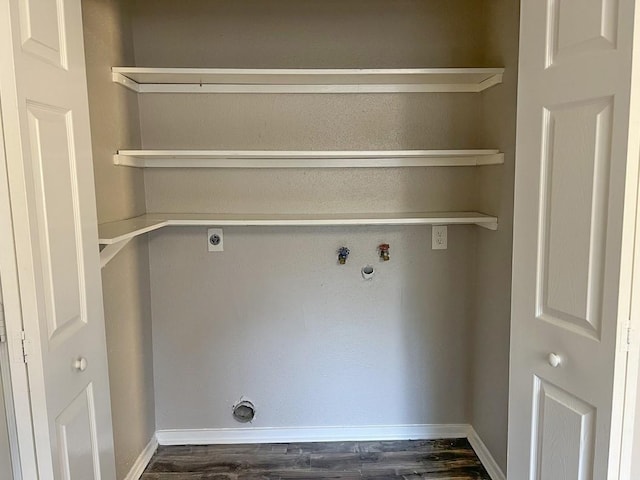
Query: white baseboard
pixel 309 434
pixel 489 463
pixel 143 460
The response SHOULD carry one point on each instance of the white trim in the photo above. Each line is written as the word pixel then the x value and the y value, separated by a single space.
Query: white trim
pixel 210 436
pixel 12 428
pixel 17 379
pixel 138 467
pixel 483 453
pixel 629 441
pixel 7 387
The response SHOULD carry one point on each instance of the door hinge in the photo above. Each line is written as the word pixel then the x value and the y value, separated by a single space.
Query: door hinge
pixel 20 353
pixel 3 326
pixel 629 339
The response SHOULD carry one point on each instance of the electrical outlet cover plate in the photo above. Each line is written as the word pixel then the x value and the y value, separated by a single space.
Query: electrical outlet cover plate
pixel 439 237
pixel 215 240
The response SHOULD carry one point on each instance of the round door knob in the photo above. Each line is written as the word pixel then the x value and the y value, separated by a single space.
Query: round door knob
pixel 555 360
pixel 80 364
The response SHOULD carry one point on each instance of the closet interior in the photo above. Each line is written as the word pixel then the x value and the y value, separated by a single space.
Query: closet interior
pixel 298 128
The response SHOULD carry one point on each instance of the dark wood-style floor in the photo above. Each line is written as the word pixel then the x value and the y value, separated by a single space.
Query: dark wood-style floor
pixel 452 459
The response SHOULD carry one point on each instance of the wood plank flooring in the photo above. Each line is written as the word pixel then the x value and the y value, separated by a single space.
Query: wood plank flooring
pixel 452 459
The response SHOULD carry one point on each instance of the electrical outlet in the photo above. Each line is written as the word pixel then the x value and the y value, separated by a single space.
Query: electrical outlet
pixel 215 240
pixel 439 237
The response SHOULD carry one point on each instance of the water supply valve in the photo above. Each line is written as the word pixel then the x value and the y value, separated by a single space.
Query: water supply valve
pixel 384 252
pixel 343 254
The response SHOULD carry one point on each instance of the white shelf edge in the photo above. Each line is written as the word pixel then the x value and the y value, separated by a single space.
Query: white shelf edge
pixel 233 80
pixel 116 232
pixel 309 89
pixel 305 159
pixel 277 72
pixel 295 221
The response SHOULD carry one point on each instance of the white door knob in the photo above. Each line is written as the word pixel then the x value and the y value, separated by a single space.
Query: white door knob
pixel 555 360
pixel 80 364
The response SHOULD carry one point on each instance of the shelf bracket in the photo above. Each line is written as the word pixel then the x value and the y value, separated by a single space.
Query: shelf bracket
pixel 489 226
pixel 490 82
pixel 125 82
pixel 110 251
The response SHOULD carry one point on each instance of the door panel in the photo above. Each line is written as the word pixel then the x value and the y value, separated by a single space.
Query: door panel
pixel 50 174
pixel 42 30
pixel 57 205
pixel 577 27
pixel 564 434
pixel 574 189
pixel 78 438
pixel 576 172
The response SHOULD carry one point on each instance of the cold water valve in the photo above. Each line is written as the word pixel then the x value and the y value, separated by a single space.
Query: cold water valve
pixel 343 254
pixel 384 252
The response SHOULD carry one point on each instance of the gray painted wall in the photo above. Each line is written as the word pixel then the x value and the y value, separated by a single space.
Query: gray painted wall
pixel 120 194
pixel 309 33
pixel 490 328
pixel 274 317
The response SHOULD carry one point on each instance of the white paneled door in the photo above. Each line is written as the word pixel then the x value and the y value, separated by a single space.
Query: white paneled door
pixel 576 181
pixel 50 174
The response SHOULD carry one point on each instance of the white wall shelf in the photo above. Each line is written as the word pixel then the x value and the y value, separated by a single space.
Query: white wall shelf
pixel 116 232
pixel 305 159
pixel 234 80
